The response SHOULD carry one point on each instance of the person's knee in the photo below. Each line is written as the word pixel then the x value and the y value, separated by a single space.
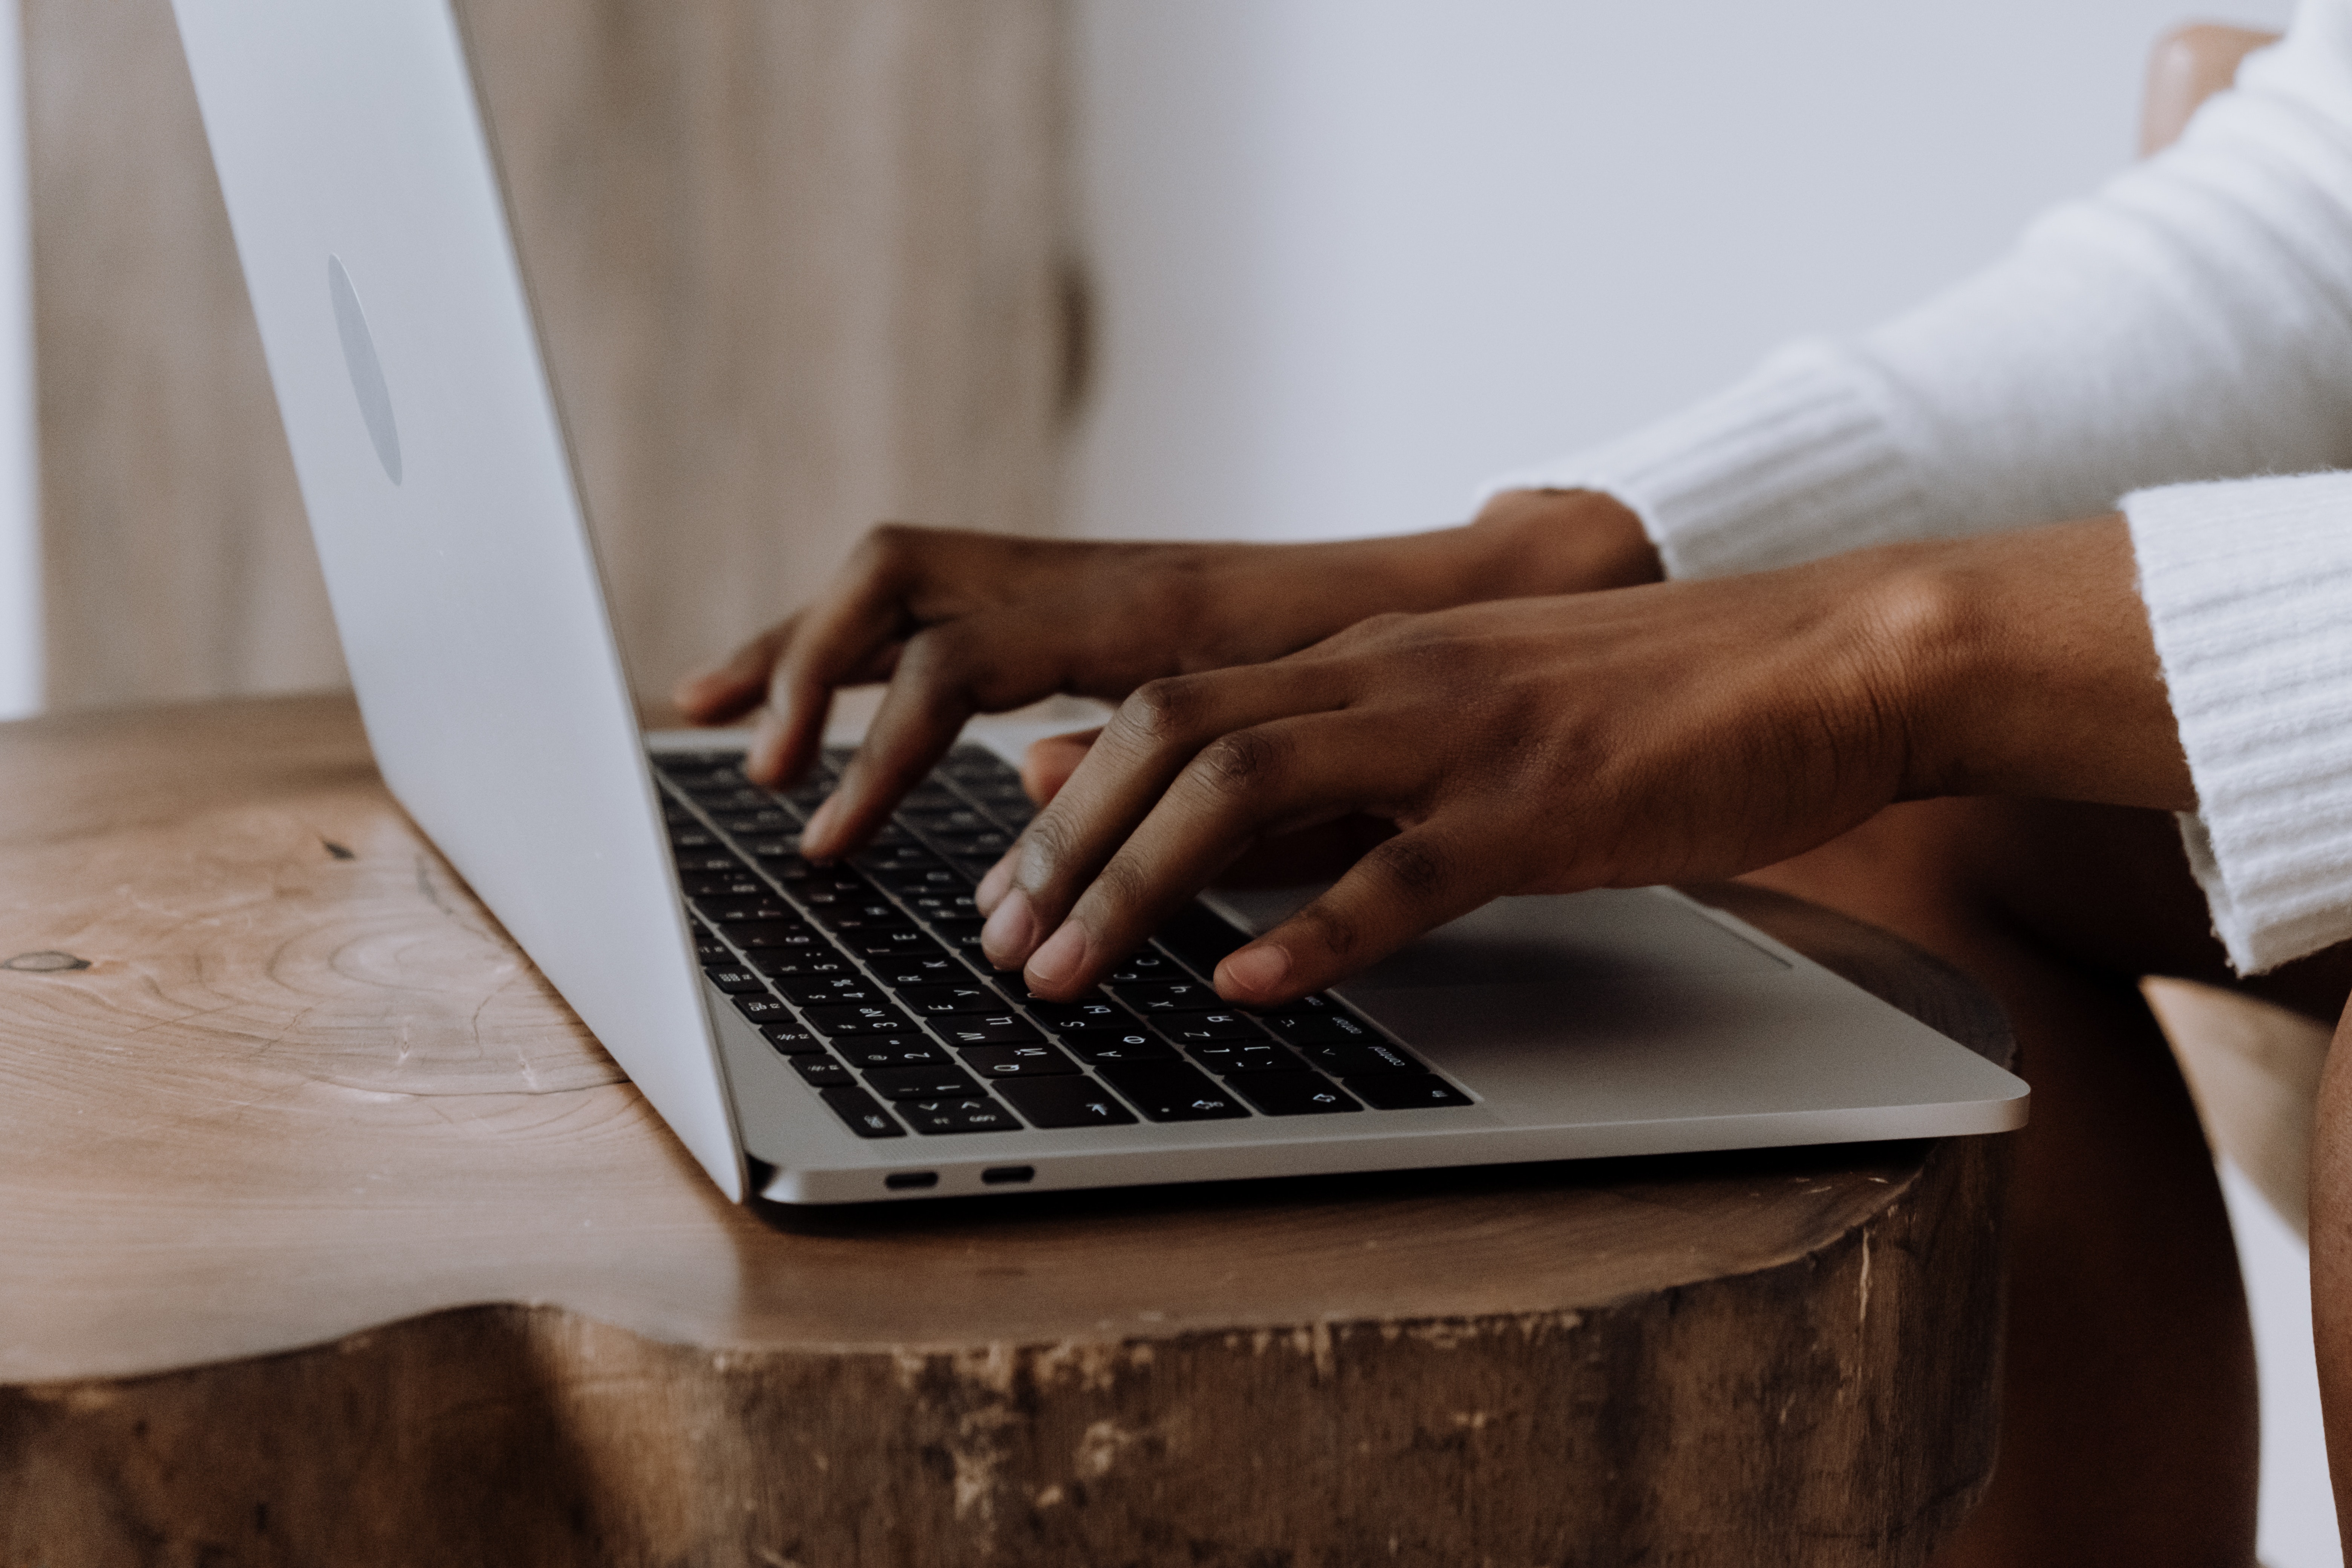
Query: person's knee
pixel 2095 887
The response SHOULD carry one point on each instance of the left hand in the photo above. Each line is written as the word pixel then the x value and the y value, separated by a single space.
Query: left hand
pixel 1666 733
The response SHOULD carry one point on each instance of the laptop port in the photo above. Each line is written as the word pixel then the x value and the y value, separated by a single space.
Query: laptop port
pixel 998 1175
pixel 899 1181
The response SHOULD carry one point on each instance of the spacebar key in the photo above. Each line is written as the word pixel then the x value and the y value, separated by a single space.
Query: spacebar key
pixel 1171 1091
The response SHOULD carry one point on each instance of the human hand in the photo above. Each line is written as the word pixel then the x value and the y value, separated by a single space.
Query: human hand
pixel 1675 732
pixel 960 622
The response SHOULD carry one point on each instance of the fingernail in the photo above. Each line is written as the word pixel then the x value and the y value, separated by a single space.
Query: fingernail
pixel 759 758
pixel 1254 971
pixel 1063 954
pixel 992 887
pixel 1010 933
pixel 820 824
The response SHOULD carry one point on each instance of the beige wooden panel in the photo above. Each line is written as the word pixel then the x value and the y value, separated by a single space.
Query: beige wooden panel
pixel 800 264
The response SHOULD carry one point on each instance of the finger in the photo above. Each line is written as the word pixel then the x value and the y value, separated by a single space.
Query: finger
pixel 944 675
pixel 734 685
pixel 856 620
pixel 1156 732
pixel 1241 788
pixel 1412 884
pixel 1047 764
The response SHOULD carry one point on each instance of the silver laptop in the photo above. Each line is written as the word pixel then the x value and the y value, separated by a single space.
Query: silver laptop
pixel 830 1034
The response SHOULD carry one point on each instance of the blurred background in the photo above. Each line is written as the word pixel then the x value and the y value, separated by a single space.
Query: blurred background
pixel 1240 269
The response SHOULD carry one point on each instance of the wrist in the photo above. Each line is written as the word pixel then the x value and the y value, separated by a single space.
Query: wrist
pixel 2024 666
pixel 1540 542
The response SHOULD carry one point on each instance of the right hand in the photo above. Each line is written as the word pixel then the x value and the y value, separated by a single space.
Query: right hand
pixel 960 623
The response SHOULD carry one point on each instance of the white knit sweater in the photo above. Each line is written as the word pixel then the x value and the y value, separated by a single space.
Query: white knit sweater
pixel 2191 322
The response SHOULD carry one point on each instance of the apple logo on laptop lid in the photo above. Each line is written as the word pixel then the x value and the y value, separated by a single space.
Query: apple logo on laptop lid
pixel 367 371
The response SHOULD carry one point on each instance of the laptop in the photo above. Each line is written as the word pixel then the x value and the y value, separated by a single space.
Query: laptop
pixel 830 1034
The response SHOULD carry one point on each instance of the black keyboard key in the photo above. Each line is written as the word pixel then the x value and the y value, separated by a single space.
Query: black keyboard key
pixel 850 1020
pixel 918 966
pixel 753 935
pixel 890 941
pixel 869 1052
pixel 704 886
pixel 821 1070
pixel 792 1039
pixel 695 840
pixel 934 907
pixel 942 1001
pixel 1081 1017
pixel 1146 966
pixel 869 917
pixel 921 1083
pixel 987 844
pixel 1354 1059
pixel 1301 1028
pixel 1408 1090
pixel 1172 996
pixel 941 877
pixel 733 981
pixel 865 1115
pixel 729 911
pixel 767 820
pixel 778 855
pixel 822 990
pixel 1133 1046
pixel 931 794
pixel 962 935
pixel 723 798
pixel 1229 1058
pixel 708 949
pixel 1201 937
pixel 958 818
pixel 1199 1028
pixel 1171 1091
pixel 978 1115
pixel 830 885
pixel 1037 1060
pixel 961 1029
pixel 696 863
pixel 1295 1094
pixel 797 963
pixel 762 1008
pixel 1066 1102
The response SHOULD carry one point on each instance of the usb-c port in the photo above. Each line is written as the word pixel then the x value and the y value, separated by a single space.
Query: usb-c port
pixel 998 1175
pixel 899 1181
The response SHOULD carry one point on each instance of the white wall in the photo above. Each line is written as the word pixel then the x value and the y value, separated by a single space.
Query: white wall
pixel 1353 255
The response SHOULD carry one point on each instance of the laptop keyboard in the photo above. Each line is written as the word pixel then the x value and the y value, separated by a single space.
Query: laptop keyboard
pixel 868 976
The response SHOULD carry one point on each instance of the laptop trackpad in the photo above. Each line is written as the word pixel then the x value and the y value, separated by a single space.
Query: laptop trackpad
pixel 1606 938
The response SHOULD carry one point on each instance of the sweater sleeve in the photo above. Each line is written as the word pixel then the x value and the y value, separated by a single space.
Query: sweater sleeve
pixel 2192 323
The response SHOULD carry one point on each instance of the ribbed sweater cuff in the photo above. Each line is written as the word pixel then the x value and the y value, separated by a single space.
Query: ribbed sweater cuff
pixel 1793 463
pixel 2248 591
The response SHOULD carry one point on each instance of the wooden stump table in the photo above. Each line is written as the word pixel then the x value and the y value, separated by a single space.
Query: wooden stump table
pixel 327 1235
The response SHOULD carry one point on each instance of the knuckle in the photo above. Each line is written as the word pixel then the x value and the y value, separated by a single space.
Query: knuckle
pixel 1157 710
pixel 937 652
pixel 1118 887
pixel 1328 927
pixel 1237 763
pixel 1411 866
pixel 891 542
pixel 1045 844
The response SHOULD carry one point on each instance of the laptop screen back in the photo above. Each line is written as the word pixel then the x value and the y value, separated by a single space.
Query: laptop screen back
pixel 425 435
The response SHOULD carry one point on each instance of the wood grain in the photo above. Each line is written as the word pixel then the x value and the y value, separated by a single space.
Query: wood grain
pixel 801 268
pixel 332 1238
